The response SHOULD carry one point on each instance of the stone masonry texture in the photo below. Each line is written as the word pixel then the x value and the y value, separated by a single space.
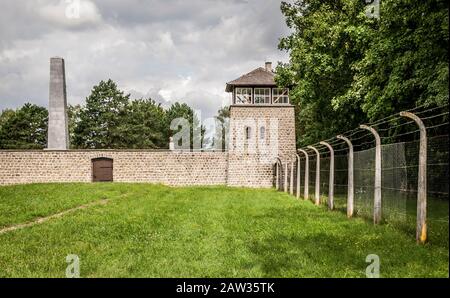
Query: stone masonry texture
pixel 170 168
pixel 249 162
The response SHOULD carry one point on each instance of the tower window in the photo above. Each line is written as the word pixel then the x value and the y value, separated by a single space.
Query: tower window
pixel 262 133
pixel 243 95
pixel 248 131
pixel 262 95
pixel 280 95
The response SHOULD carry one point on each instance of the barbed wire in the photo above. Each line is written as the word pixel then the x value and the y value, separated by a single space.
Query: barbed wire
pixel 389 119
pixel 436 137
pixel 356 131
pixel 399 165
pixel 382 120
pixel 400 135
pixel 438 125
pixel 363 144
pixel 434 116
pixel 359 138
pixel 397 115
pixel 432 109
pixel 389 128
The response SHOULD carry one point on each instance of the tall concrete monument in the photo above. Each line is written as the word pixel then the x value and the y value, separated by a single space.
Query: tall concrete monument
pixel 58 128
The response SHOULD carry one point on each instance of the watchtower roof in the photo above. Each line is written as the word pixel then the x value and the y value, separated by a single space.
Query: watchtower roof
pixel 257 77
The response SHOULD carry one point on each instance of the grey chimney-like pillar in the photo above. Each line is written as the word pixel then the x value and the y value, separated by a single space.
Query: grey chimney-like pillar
pixel 58 127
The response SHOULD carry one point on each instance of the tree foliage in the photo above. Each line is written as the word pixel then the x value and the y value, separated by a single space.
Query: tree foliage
pixel 223 117
pixel 111 120
pixel 24 128
pixel 102 121
pixel 182 110
pixel 146 125
pixel 346 68
pixel 108 120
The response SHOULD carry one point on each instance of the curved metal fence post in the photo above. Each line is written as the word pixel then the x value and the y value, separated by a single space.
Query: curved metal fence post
pixel 291 180
pixel 285 176
pixel 421 230
pixel 331 176
pixel 350 186
pixel 317 194
pixel 298 176
pixel 306 190
pixel 377 192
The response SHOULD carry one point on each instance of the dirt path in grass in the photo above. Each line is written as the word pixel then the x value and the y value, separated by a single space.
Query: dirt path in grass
pixel 47 218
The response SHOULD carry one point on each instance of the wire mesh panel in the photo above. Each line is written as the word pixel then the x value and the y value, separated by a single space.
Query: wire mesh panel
pixel 364 179
pixel 324 179
pixel 438 189
pixel 340 182
pixel 399 184
pixel 438 180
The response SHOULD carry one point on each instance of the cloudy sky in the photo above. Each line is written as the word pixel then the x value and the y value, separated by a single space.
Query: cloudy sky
pixel 169 50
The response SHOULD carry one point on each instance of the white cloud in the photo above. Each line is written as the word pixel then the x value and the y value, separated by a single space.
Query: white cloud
pixel 169 50
pixel 70 13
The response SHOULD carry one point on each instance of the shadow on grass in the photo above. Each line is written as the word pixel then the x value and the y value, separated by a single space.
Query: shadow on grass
pixel 317 255
pixel 328 246
pixel 403 216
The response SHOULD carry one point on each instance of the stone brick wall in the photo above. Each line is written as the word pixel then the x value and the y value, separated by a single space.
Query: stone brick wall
pixel 251 160
pixel 249 171
pixel 248 163
pixel 171 168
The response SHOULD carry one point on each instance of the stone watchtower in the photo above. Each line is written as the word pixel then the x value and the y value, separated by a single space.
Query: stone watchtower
pixel 262 128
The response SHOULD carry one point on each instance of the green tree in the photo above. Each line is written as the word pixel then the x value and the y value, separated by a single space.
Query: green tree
pixel 406 62
pixel 25 128
pixel 223 117
pixel 102 121
pixel 5 115
pixel 146 125
pixel 73 114
pixel 346 68
pixel 109 120
pixel 182 110
pixel 322 50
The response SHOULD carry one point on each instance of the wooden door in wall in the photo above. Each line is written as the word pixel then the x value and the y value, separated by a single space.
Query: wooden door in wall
pixel 102 169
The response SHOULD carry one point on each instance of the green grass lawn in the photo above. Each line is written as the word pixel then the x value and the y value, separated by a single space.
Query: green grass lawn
pixel 157 231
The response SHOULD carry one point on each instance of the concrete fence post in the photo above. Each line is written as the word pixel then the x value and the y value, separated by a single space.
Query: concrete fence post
pixel 276 176
pixel 277 173
pixel 306 189
pixel 291 182
pixel 298 177
pixel 331 176
pixel 350 185
pixel 285 176
pixel 317 192
pixel 377 192
pixel 421 229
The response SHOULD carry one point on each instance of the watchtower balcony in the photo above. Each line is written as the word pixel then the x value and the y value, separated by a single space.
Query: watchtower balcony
pixel 257 88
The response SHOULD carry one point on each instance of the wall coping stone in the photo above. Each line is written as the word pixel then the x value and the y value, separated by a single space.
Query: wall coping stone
pixel 113 150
